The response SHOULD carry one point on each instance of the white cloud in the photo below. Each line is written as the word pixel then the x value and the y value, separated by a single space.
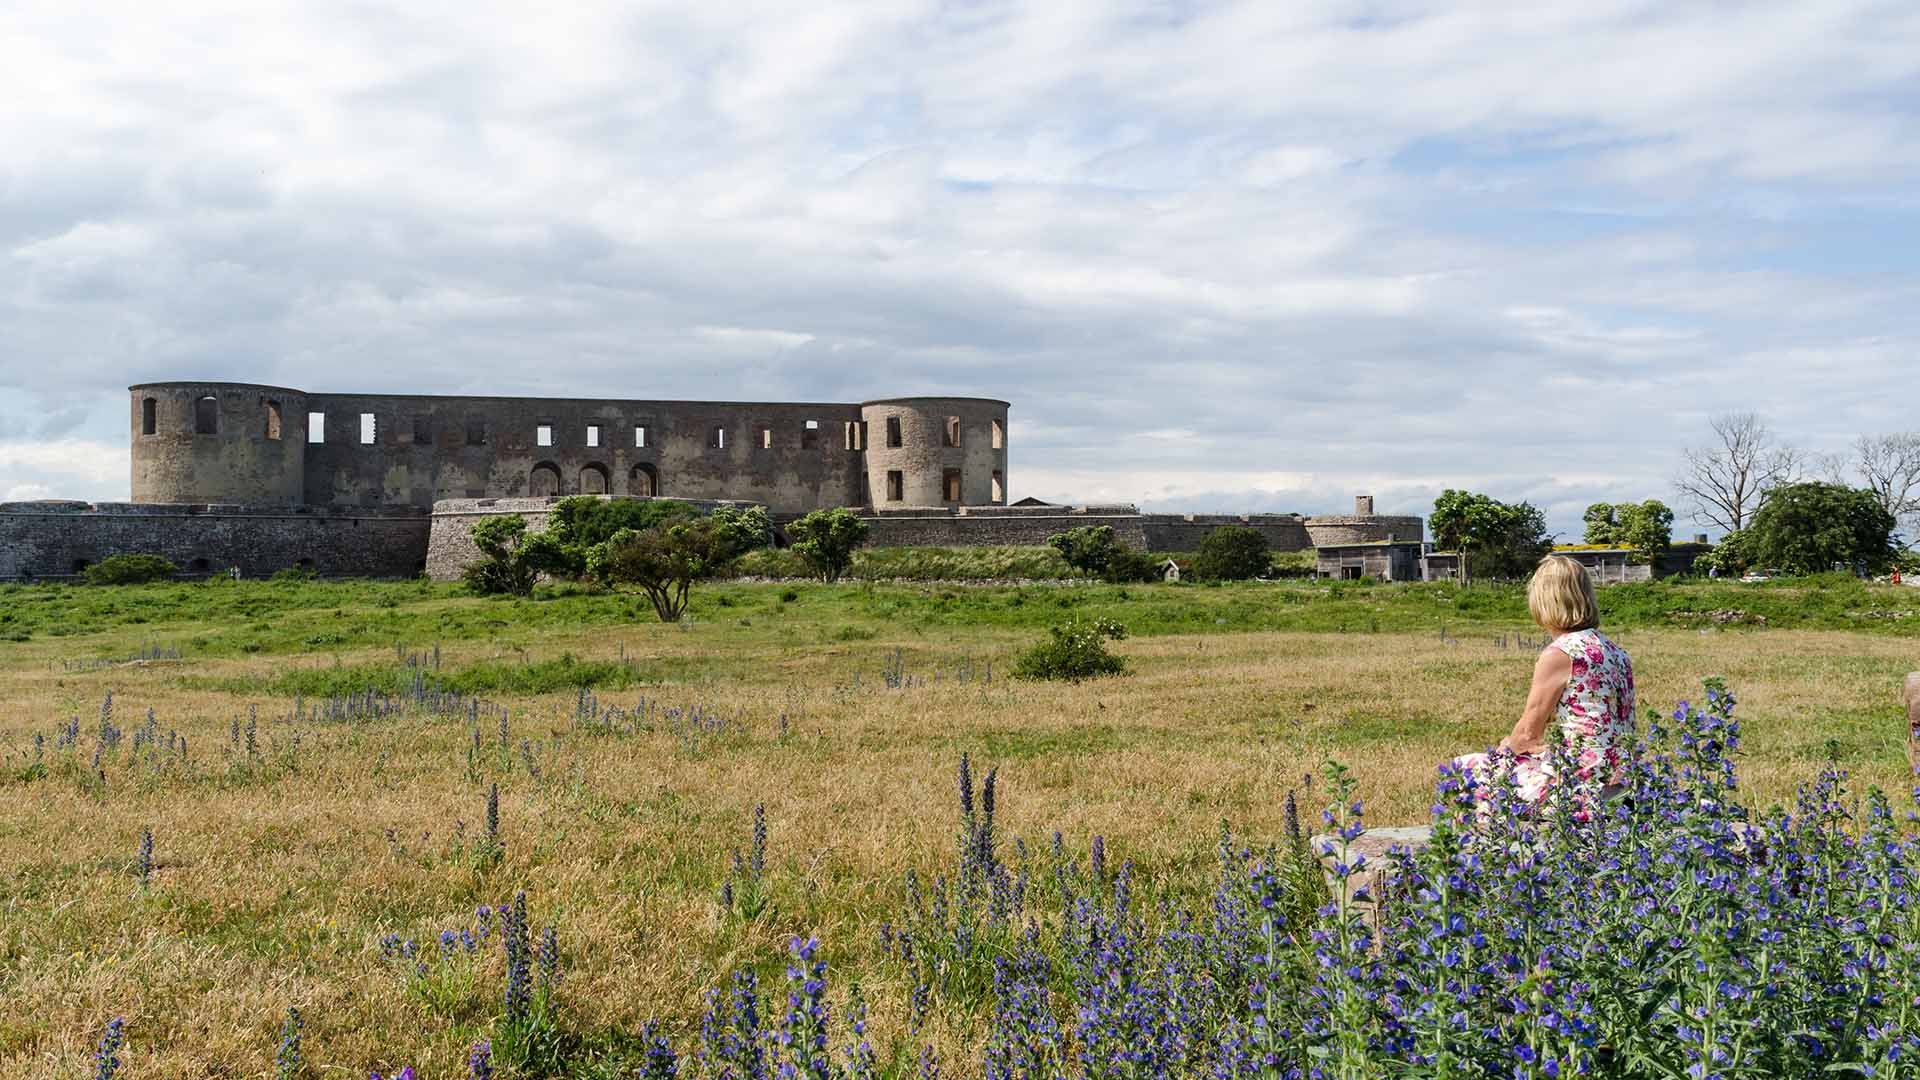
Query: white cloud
pixel 1240 251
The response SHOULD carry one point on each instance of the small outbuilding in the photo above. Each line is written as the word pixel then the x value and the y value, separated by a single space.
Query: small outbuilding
pixel 1170 570
pixel 1381 560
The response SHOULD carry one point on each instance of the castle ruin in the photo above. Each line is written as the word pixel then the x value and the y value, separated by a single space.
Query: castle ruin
pixel 254 478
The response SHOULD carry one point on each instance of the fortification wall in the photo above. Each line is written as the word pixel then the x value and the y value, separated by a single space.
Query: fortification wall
pixel 1184 532
pixel 935 527
pixel 57 539
pixel 1335 530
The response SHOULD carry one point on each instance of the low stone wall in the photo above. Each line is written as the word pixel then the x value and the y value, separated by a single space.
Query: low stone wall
pixel 1184 532
pixel 978 526
pixel 57 539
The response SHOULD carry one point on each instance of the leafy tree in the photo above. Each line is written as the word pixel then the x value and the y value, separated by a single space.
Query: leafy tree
pixel 578 525
pixel 1646 526
pixel 1808 528
pixel 1603 526
pixel 1495 539
pixel 1232 553
pixel 1731 557
pixel 666 560
pixel 826 539
pixel 128 570
pixel 1087 549
pixel 740 529
pixel 503 567
pixel 1128 566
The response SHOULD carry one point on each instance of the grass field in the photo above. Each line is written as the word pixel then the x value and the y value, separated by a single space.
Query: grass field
pixel 287 841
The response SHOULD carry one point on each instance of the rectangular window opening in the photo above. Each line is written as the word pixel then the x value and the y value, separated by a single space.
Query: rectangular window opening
pixel 952 430
pixel 717 438
pixel 999 436
pixel 543 435
pixel 853 435
pixel 422 430
pixel 593 434
pixel 366 429
pixel 206 416
pixel 316 427
pixel 640 435
pixel 896 485
pixel 893 431
pixel 950 482
pixel 149 416
pixel 273 420
pixel 810 435
pixel 763 437
pixel 999 487
pixel 476 432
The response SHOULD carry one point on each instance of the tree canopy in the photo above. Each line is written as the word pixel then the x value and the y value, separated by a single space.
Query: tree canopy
pixel 826 539
pixel 1809 528
pixel 1646 526
pixel 1494 539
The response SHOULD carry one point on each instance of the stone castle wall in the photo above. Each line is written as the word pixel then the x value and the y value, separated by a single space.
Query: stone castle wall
pixel 58 539
pixel 1336 530
pixel 237 443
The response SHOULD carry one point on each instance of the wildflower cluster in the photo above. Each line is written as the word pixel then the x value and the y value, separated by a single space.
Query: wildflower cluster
pixel 746 891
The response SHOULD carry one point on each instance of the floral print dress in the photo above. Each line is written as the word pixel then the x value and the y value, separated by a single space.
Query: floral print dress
pixel 1595 718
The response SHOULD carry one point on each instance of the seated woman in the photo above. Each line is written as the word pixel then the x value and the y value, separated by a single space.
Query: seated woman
pixel 1582 687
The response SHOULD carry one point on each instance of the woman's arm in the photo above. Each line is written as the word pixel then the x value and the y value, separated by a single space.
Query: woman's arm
pixel 1550 677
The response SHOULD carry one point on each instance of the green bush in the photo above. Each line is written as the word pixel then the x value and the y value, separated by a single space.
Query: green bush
pixel 826 539
pixel 1232 553
pixel 1088 548
pixel 128 570
pixel 294 574
pixel 1127 566
pixel 1074 650
pixel 503 568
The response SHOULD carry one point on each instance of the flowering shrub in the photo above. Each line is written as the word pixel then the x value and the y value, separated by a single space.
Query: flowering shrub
pixel 1074 650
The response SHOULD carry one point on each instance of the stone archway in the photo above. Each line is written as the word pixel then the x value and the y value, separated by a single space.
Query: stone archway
pixel 544 481
pixel 593 479
pixel 643 480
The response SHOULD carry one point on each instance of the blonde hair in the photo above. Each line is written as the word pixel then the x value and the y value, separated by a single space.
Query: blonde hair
pixel 1560 596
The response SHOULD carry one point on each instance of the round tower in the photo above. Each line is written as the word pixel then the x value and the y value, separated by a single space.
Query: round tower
pixel 218 443
pixel 936 451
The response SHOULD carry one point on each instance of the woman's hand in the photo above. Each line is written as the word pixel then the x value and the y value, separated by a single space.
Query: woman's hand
pixel 1550 675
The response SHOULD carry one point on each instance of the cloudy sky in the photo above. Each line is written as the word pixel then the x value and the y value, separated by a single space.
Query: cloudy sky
pixel 1220 256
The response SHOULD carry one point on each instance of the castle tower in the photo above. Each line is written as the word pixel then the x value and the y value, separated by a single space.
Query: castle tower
pixel 928 451
pixel 218 443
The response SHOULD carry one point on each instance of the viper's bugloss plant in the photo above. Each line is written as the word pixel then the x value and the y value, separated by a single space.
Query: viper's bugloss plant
pixel 106 1058
pixel 747 892
pixel 286 1060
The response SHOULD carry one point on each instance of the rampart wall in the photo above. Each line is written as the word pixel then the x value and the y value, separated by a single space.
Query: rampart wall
pixel 450 547
pixel 57 539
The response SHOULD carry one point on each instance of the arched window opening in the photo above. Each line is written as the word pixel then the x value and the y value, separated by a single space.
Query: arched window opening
pixel 644 481
pixel 149 416
pixel 593 480
pixel 206 415
pixel 544 481
pixel 199 566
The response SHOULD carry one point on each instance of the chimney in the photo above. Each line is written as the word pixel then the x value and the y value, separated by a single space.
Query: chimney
pixel 1363 506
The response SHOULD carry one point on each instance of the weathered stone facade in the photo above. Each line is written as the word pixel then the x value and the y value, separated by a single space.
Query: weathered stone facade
pixel 238 443
pixel 57 539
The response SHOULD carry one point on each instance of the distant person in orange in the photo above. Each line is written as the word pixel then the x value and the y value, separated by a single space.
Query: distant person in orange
pixel 1582 693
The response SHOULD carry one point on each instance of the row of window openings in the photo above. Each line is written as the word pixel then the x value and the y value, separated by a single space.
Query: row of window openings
pixel 206 421
pixel 950 486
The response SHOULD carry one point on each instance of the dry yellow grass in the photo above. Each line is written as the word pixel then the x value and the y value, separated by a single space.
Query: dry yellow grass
pixel 272 886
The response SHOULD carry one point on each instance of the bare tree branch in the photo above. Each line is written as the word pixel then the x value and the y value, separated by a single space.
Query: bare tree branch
pixel 1890 467
pixel 1723 483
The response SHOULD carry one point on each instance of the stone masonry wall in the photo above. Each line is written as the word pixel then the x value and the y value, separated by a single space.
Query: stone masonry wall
pixel 56 539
